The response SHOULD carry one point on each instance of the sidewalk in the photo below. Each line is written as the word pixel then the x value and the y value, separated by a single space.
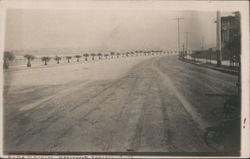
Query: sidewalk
pixel 225 67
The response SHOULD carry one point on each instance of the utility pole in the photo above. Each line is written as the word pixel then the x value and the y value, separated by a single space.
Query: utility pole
pixel 218 37
pixel 178 23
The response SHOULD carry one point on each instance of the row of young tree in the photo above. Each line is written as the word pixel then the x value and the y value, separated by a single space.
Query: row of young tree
pixel 8 56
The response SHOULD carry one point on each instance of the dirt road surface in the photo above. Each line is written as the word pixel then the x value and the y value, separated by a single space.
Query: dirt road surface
pixel 157 104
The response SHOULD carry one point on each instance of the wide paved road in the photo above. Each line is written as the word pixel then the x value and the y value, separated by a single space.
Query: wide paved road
pixel 160 105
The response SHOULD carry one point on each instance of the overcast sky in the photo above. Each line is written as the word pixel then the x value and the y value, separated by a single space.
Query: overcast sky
pixel 106 30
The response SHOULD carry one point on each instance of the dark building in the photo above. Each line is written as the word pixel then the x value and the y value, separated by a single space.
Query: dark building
pixel 230 35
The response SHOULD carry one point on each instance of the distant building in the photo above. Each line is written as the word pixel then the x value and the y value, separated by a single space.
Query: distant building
pixel 230 31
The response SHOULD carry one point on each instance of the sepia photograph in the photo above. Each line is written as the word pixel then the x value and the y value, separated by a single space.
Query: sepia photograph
pixel 132 79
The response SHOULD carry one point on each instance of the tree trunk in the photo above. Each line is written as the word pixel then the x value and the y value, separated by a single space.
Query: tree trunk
pixel 77 59
pixel 57 61
pixel 86 59
pixel 45 62
pixel 68 61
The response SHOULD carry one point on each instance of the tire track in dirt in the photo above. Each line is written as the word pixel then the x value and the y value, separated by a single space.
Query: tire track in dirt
pixel 117 119
pixel 43 102
pixel 138 131
pixel 183 126
pixel 55 114
pixel 182 133
pixel 108 137
pixel 59 115
pixel 195 115
pixel 149 132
